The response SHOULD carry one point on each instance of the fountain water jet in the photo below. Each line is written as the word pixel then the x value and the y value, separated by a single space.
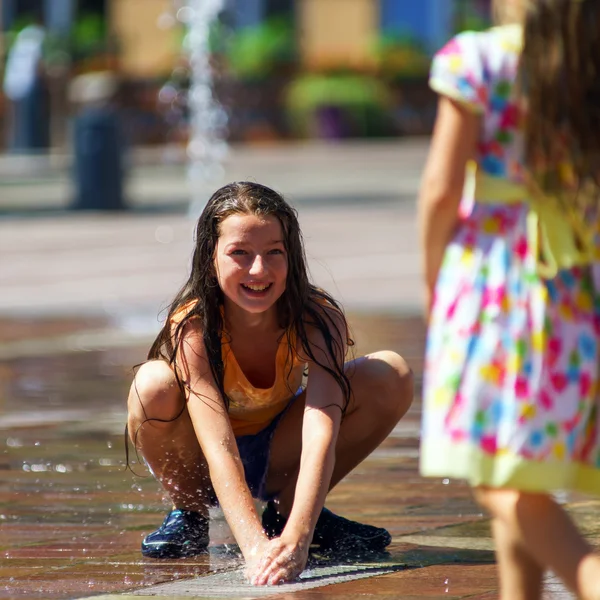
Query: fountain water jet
pixel 207 146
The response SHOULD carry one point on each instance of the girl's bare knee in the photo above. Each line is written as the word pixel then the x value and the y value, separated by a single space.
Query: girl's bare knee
pixel 497 501
pixel 510 504
pixel 394 381
pixel 154 393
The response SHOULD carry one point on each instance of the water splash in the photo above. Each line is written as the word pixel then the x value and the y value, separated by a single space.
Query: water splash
pixel 208 121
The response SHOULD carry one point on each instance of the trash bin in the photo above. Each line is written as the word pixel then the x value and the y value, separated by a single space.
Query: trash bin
pixel 98 160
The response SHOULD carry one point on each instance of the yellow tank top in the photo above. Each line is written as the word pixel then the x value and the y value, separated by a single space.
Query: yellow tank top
pixel 252 409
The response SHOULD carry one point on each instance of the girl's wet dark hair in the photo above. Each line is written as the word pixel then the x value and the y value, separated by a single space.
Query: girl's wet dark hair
pixel 302 305
pixel 559 80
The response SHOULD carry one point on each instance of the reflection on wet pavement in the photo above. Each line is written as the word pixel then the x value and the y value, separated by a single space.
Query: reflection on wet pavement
pixel 72 517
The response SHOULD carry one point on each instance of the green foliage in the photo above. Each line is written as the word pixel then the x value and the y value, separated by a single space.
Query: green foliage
pixel 310 91
pixel 472 23
pixel 86 38
pixel 469 16
pixel 401 56
pixel 362 98
pixel 256 52
pixel 17 26
pixel 88 35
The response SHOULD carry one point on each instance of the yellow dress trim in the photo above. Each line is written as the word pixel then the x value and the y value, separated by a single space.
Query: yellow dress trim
pixel 467 461
pixel 559 238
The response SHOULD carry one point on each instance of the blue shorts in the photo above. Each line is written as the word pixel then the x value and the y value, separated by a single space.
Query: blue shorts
pixel 255 452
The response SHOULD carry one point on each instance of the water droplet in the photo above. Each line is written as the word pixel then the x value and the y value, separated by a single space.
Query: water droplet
pixel 165 21
pixel 185 14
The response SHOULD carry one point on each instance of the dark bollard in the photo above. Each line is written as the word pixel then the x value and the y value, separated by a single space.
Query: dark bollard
pixel 98 163
pixel 31 121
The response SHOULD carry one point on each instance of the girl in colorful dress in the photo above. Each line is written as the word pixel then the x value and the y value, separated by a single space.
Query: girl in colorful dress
pixel 511 382
pixel 220 411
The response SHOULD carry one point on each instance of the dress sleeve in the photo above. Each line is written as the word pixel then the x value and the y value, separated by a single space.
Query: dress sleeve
pixel 457 71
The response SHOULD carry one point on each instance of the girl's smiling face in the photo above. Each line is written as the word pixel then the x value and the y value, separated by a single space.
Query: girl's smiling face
pixel 251 261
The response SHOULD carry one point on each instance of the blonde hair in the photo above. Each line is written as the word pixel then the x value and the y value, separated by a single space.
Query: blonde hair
pixel 508 11
pixel 558 79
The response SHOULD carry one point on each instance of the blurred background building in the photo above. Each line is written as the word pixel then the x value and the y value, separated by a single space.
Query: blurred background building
pixel 284 69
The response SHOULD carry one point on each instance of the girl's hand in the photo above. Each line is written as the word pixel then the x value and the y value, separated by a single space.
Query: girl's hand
pixel 282 561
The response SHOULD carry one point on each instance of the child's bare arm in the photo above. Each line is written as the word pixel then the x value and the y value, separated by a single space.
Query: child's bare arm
pixel 452 146
pixel 320 427
pixel 215 435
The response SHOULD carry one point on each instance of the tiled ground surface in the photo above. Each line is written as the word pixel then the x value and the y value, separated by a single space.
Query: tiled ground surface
pixel 71 517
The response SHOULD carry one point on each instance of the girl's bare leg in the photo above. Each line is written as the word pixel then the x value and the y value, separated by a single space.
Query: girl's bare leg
pixel 168 444
pixel 520 575
pixel 539 525
pixel 382 386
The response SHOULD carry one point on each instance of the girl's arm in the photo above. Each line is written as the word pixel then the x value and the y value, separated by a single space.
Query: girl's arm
pixel 453 143
pixel 215 435
pixel 320 427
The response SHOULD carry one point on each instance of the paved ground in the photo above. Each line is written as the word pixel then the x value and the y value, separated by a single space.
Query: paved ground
pixel 79 303
pixel 356 205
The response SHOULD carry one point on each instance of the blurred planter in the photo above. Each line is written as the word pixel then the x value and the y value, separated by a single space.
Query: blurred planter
pixel 414 107
pixel 255 107
pixel 403 63
pixel 400 57
pixel 338 106
pixel 85 47
pixel 258 53
pixel 253 65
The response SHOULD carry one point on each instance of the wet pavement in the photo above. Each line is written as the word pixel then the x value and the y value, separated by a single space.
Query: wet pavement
pixel 74 321
pixel 72 517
